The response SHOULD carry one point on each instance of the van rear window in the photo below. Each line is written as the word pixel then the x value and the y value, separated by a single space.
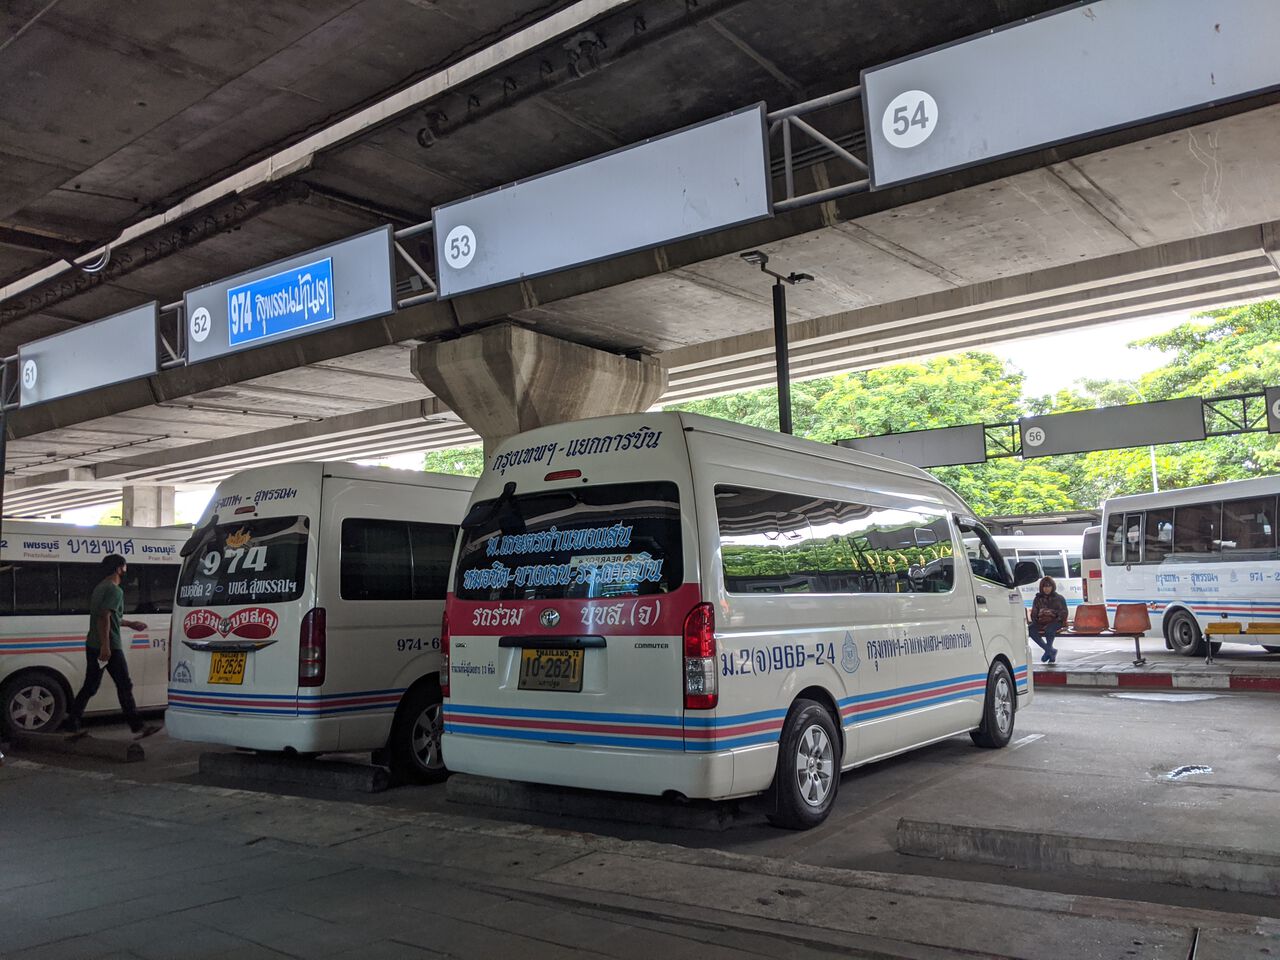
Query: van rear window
pixel 614 540
pixel 255 561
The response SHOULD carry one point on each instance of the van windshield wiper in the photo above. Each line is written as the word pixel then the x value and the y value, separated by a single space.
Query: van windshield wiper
pixel 199 537
pixel 486 510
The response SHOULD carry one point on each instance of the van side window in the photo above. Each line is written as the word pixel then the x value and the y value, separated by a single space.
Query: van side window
pixel 775 542
pixel 432 545
pixel 395 560
pixel 35 588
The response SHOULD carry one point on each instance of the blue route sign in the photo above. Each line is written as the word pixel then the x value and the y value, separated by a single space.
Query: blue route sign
pixel 281 303
pixel 342 282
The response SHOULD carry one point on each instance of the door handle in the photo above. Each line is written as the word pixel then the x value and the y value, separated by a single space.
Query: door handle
pixel 980 598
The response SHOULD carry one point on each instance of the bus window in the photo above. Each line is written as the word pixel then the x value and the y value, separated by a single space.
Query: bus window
pixel 1159 534
pixel 1196 529
pixel 1050 562
pixel 1115 538
pixel 1133 538
pixel 1249 528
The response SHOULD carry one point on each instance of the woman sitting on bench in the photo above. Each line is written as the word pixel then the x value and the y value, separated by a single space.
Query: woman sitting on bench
pixel 1048 616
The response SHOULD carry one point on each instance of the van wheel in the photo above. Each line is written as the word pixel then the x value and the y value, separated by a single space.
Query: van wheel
pixel 807 779
pixel 414 747
pixel 33 702
pixel 1184 634
pixel 997 709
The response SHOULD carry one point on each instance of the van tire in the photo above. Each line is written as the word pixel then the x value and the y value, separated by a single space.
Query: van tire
pixel 998 709
pixel 414 746
pixel 29 691
pixel 807 777
pixel 1183 634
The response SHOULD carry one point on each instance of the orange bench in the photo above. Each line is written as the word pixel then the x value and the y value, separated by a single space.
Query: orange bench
pixel 1132 620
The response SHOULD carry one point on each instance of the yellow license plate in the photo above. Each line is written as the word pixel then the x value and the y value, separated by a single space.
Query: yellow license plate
pixel 227 667
pixel 550 669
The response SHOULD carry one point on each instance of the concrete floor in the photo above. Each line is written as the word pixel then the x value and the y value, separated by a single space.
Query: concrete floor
pixel 1090 763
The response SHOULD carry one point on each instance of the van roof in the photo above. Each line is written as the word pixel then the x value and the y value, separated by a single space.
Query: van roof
pixel 354 471
pixel 783 441
pixel 1230 490
pixel 417 478
pixel 176 532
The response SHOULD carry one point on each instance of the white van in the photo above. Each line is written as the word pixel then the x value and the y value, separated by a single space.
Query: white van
pixel 47 572
pixel 672 604
pixel 306 613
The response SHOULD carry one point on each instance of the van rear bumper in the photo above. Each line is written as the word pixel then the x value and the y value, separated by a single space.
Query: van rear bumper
pixel 305 735
pixel 654 772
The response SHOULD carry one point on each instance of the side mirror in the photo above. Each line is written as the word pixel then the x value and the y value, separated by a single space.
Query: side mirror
pixel 1024 572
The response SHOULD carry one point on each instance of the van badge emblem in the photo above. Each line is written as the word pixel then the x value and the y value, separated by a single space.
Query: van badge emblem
pixel 849 654
pixel 549 618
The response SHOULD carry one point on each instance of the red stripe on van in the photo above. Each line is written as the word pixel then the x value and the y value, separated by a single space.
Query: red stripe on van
pixel 656 614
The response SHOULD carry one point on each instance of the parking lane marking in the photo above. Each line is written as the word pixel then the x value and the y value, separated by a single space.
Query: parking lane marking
pixel 1029 738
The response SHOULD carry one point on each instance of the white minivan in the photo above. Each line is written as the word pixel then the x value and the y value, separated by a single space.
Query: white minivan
pixel 306 612
pixel 672 604
pixel 47 572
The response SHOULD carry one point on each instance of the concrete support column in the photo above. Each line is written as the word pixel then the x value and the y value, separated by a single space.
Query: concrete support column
pixel 505 379
pixel 147 506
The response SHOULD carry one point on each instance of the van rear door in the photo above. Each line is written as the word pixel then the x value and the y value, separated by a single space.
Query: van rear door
pixel 567 616
pixel 237 620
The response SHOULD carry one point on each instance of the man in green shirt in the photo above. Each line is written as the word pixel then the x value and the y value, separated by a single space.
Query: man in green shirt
pixel 105 652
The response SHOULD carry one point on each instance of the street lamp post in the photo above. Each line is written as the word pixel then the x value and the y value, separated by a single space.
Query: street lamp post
pixel 1155 481
pixel 781 347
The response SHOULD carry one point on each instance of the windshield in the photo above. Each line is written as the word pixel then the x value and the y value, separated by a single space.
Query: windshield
pixel 616 540
pixel 254 561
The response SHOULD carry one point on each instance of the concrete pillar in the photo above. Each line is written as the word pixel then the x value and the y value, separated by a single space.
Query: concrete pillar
pixel 505 379
pixel 147 506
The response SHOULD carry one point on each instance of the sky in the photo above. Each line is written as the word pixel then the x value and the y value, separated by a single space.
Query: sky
pixel 1050 362
pixel 1058 360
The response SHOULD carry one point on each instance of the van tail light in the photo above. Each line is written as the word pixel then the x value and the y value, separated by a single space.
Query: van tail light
pixel 700 684
pixel 444 654
pixel 311 648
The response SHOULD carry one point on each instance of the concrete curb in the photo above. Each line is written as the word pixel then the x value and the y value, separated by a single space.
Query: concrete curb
pixel 467 790
pixel 1176 681
pixel 1185 865
pixel 122 751
pixel 278 768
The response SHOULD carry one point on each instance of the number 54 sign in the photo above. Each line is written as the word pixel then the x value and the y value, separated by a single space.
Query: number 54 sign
pixel 909 119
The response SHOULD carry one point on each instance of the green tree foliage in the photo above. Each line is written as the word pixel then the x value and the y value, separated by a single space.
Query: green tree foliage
pixel 1229 351
pixel 464 461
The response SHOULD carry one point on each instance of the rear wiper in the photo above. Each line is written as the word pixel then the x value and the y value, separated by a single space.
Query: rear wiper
pixel 484 511
pixel 198 537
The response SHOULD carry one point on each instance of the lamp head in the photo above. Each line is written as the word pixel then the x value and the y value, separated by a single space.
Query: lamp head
pixel 758 257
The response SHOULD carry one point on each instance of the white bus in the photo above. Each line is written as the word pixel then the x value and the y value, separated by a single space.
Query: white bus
pixel 1204 560
pixel 1056 556
pixel 672 604
pixel 306 613
pixel 47 572
pixel 1091 565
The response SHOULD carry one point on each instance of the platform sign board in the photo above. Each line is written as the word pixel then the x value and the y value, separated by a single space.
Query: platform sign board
pixel 943 447
pixel 695 181
pixel 118 348
pixel 1273 409
pixel 1066 75
pixel 1113 428
pixel 344 282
